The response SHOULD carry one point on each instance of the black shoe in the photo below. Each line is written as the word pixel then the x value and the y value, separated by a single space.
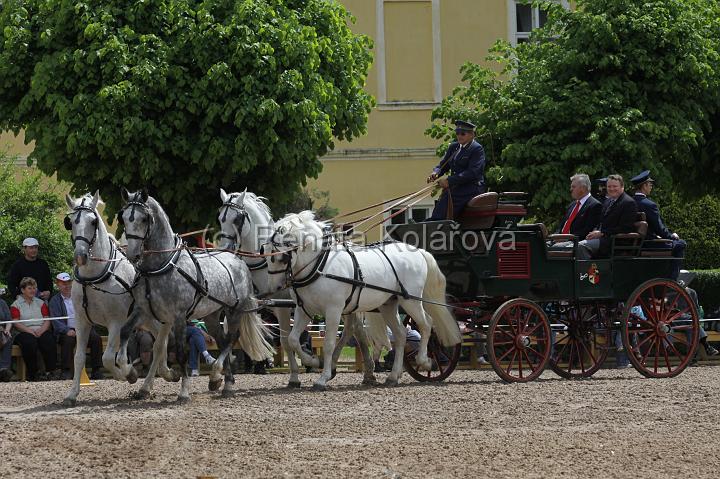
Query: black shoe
pixel 5 375
pixel 97 375
pixel 259 368
pixel 378 367
pixel 710 351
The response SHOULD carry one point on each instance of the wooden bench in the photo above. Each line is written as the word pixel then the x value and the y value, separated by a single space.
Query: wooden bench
pixel 21 369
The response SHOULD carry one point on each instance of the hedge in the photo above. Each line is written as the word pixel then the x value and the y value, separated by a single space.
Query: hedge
pixel 707 285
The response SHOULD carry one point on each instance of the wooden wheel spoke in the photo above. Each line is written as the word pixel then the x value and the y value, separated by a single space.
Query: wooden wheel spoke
pixel 649 337
pixel 530 333
pixel 667 358
pixel 679 314
pixel 644 358
pixel 506 353
pixel 647 310
pixel 589 353
pixel 536 352
pixel 682 340
pixel 570 363
pixel 675 350
pixel 657 354
pixel 512 360
pixel 530 363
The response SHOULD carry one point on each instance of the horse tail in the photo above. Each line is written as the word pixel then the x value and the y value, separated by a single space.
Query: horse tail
pixel 443 322
pixel 377 331
pixel 253 333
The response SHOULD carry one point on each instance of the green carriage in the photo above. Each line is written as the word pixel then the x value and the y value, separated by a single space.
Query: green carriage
pixel 525 293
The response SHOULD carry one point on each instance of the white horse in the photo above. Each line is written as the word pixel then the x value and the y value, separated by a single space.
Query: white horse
pixel 246 223
pixel 101 291
pixel 385 276
pixel 175 285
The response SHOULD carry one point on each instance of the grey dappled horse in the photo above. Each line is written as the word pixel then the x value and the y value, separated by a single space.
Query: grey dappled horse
pixel 101 292
pixel 175 285
pixel 247 224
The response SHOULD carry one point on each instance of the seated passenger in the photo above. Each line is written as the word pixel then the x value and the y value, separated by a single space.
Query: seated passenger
pixel 619 214
pixel 584 213
pixel 465 163
pixel 643 184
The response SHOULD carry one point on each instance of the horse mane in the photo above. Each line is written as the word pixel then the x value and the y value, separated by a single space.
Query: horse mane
pixel 303 220
pixel 156 208
pixel 259 201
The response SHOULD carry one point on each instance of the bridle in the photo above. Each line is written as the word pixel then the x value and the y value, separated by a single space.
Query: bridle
pixel 238 222
pixel 150 220
pixel 284 258
pixel 68 223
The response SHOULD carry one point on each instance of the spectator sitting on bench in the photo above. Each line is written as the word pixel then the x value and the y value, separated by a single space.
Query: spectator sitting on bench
pixel 61 305
pixel 6 343
pixel 140 348
pixel 35 334
pixel 196 334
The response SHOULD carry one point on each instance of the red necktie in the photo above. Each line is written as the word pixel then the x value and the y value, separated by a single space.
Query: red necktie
pixel 566 228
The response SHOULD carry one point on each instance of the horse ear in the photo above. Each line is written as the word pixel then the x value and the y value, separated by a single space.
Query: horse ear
pixel 241 198
pixel 144 195
pixel 125 194
pixel 96 199
pixel 69 201
pixel 223 195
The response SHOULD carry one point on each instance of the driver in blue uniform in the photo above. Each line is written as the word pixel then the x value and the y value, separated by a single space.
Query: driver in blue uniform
pixel 465 163
pixel 643 184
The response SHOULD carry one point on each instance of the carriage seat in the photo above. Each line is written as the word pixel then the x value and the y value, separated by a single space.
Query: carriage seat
pixel 551 238
pixel 629 244
pixel 490 209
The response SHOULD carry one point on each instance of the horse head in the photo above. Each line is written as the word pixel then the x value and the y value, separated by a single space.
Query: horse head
pixel 83 223
pixel 245 221
pixel 137 220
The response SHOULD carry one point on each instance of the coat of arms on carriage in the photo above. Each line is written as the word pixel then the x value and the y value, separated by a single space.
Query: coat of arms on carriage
pixel 593 274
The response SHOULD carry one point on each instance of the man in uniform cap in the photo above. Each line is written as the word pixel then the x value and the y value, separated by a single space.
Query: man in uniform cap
pixel 30 266
pixel 643 184
pixel 465 163
pixel 601 193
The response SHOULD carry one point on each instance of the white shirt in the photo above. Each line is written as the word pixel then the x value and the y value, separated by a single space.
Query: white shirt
pixel 70 312
pixel 583 200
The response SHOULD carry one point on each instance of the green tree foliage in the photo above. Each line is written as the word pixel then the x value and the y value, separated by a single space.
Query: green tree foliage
pixel 614 86
pixel 29 207
pixel 308 199
pixel 182 96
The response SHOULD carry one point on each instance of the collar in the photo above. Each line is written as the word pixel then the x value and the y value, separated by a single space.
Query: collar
pixel 641 194
pixel 583 200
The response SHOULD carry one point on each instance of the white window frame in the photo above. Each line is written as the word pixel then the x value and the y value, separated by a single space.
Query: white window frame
pixel 513 35
pixel 382 101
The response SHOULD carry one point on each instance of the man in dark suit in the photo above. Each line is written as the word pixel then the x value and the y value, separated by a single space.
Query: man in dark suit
pixel 584 213
pixel 619 214
pixel 465 163
pixel 643 184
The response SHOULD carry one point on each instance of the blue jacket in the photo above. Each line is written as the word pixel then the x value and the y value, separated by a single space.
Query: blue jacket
pixel 56 305
pixel 656 227
pixel 467 169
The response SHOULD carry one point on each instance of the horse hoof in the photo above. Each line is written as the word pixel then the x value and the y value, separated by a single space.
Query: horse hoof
pixel 176 376
pixel 319 387
pixel 141 394
pixel 132 376
pixel 391 382
pixel 334 373
pixel 230 379
pixel 182 400
pixel 294 385
pixel 69 402
pixel 214 384
pixel 227 393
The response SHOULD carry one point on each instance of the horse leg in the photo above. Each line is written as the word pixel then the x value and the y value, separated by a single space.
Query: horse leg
pixel 416 311
pixel 82 333
pixel 301 321
pixel 161 366
pixel 127 371
pixel 390 313
pixel 223 364
pixel 181 353
pixel 363 343
pixel 349 321
pixel 283 317
pixel 159 357
pixel 111 350
pixel 332 321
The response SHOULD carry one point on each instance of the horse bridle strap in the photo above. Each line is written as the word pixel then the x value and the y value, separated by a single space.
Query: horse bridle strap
pixel 147 211
pixel 68 223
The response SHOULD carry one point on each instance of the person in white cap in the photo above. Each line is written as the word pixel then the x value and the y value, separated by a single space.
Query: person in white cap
pixel 30 266
pixel 61 305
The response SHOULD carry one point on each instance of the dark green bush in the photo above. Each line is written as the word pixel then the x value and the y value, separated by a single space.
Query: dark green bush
pixel 707 285
pixel 29 207
pixel 698 223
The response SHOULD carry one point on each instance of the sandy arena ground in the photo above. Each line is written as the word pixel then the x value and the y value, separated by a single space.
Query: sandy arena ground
pixel 617 424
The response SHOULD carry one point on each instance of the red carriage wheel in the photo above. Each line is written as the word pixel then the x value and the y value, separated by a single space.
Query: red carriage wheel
pixel 519 341
pixel 444 360
pixel 660 328
pixel 581 349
